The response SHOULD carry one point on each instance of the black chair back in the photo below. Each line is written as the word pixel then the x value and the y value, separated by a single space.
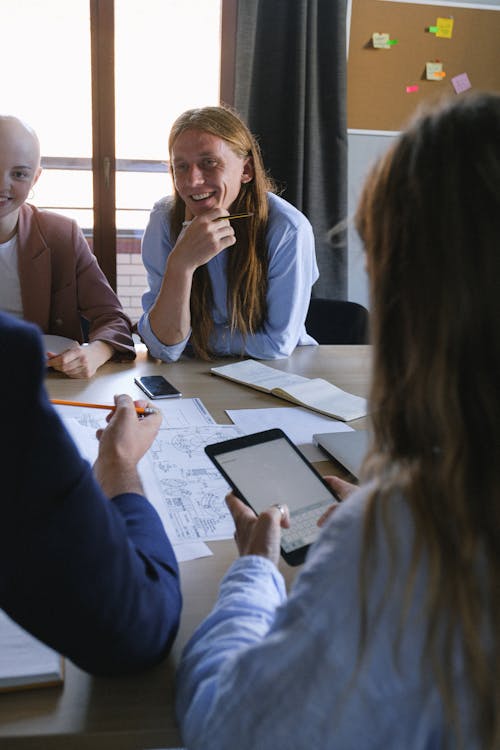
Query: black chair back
pixel 334 321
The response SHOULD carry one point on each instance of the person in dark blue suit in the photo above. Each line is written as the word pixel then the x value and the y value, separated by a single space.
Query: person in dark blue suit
pixel 85 564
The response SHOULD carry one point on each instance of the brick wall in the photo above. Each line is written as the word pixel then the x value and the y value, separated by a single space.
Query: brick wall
pixel 130 274
pixel 131 283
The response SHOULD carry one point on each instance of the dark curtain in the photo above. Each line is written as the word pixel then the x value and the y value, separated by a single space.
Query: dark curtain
pixel 290 87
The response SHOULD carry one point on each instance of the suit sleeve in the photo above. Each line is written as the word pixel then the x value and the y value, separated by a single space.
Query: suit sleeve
pixel 95 579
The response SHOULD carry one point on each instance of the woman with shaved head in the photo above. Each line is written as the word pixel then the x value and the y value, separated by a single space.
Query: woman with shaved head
pixel 48 275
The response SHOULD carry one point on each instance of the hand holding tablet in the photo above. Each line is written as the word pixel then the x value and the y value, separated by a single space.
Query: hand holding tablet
pixel 266 469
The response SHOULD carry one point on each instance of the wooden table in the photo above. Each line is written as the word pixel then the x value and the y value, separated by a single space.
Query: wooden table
pixel 137 713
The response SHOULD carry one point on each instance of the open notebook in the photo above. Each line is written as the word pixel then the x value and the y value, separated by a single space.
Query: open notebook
pixel 25 662
pixel 313 393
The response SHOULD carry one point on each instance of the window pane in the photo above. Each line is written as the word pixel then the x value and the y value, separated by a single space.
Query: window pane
pixel 167 60
pixel 136 192
pixel 69 192
pixel 48 46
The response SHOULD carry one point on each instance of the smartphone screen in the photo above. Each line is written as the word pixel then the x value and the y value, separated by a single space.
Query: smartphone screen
pixel 156 386
pixel 265 469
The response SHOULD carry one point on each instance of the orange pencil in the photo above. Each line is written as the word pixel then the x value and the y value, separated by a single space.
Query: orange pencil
pixel 139 409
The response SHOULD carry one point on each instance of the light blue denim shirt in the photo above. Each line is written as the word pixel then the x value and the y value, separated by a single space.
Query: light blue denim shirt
pixel 267 672
pixel 292 273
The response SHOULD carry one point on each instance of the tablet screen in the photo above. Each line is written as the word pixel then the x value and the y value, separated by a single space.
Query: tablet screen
pixel 274 472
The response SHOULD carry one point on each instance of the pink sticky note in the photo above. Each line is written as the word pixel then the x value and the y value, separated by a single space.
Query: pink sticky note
pixel 411 89
pixel 461 83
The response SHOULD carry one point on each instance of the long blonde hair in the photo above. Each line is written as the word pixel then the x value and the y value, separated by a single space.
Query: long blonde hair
pixel 429 217
pixel 247 269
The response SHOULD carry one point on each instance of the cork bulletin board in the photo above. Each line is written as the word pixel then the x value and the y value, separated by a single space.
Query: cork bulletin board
pixel 385 84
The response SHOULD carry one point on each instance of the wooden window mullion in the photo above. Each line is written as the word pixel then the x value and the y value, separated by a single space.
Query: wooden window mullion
pixel 103 134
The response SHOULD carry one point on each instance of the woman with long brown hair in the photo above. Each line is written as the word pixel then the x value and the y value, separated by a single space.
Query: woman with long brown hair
pixel 224 286
pixel 390 635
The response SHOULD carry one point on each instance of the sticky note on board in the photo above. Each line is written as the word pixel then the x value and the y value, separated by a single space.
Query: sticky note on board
pixel 445 28
pixel 434 71
pixel 461 83
pixel 381 41
pixel 411 89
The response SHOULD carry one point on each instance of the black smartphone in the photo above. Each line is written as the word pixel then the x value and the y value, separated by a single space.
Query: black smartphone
pixel 266 468
pixel 156 386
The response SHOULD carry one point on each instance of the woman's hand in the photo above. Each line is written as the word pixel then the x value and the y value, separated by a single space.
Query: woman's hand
pixel 258 535
pixel 342 489
pixel 81 361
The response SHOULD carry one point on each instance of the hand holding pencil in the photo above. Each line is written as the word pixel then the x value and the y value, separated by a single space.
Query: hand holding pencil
pixel 233 216
pixel 202 238
pixel 122 444
pixel 142 410
pixel 187 222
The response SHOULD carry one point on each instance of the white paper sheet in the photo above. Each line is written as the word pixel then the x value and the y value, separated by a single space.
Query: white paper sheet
pixel 298 423
pixel 191 551
pixel 185 487
pixel 186 418
pixel 24 659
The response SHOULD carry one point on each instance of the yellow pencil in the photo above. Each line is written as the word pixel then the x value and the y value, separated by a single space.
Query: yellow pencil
pixel 233 216
pixel 62 402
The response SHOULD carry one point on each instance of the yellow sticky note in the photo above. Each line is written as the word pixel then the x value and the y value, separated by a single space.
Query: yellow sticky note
pixel 434 71
pixel 381 41
pixel 445 28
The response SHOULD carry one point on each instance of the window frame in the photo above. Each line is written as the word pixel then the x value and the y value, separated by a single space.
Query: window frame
pixel 103 119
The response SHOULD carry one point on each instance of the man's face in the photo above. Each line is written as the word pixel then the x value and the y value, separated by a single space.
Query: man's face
pixel 19 165
pixel 207 172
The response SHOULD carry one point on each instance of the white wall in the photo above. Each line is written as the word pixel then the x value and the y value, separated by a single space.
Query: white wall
pixel 363 151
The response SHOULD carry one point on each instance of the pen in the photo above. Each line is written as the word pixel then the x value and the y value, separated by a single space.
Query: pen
pixel 139 409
